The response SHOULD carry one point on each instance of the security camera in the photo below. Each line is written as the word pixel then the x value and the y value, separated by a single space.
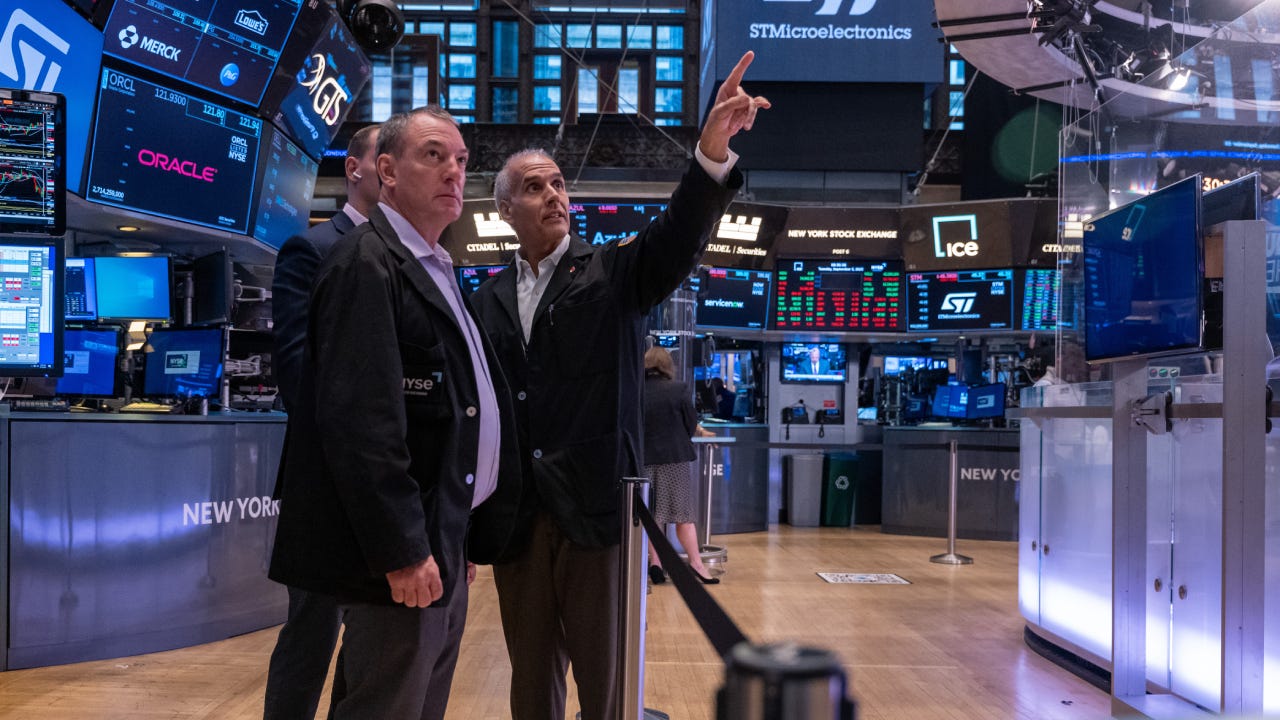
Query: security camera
pixel 377 25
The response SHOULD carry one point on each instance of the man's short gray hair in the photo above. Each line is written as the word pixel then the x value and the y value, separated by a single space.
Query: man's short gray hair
pixel 504 183
pixel 391 138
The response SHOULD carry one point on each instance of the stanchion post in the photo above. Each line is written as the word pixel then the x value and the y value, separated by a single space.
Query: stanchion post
pixel 951 557
pixel 634 548
pixel 783 682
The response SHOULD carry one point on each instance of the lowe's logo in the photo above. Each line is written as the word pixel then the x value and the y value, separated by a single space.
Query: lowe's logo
pixel 833 7
pixel 960 302
pixel 32 67
pixel 252 21
pixel 129 37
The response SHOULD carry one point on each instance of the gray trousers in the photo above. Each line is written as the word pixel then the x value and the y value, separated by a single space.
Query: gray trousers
pixel 559 604
pixel 301 657
pixel 397 661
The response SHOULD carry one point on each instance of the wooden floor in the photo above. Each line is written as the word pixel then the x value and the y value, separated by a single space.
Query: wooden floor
pixel 947 646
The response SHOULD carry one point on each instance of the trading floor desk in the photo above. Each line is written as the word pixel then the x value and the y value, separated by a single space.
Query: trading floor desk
pixel 134 533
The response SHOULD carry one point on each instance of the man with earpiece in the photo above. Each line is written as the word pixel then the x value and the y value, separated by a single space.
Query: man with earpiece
pixel 304 647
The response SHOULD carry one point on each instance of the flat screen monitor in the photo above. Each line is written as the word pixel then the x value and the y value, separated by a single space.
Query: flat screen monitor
pixel 858 295
pixel 33 162
pixel 226 47
pixel 81 290
pixel 183 363
pixel 286 183
pixel 1040 292
pixel 814 363
pixel 213 280
pixel 730 298
pixel 600 223
pixel 666 340
pixel 896 364
pixel 159 151
pixel 318 79
pixel 134 288
pixel 89 364
pixel 32 310
pixel 1143 268
pixel 471 278
pixel 940 406
pixel 985 401
pixel 960 301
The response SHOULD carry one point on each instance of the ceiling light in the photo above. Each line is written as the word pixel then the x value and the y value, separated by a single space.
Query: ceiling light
pixel 127 228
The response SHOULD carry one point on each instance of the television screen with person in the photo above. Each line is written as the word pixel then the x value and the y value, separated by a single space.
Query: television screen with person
pixel 90 358
pixel 34 308
pixel 814 363
pixel 81 290
pixel 1143 268
pixel 183 363
pixel 133 288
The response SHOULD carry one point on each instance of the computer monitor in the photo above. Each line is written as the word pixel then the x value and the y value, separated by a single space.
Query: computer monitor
pixel 81 291
pixel 941 401
pixel 33 162
pixel 286 184
pixel 985 401
pixel 31 314
pixel 853 295
pixel 1040 290
pixel 183 363
pixel 212 277
pixel 90 360
pixel 470 278
pixel 732 298
pixel 960 300
pixel 133 288
pixel 895 364
pixel 814 363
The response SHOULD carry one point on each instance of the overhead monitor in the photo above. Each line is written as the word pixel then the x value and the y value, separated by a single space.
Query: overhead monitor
pixel 600 223
pixel 134 288
pixel 858 295
pixel 32 309
pixel 159 151
pixel 183 363
pixel 470 278
pixel 1041 289
pixel 730 298
pixel 81 290
pixel 226 47
pixel 960 301
pixel 213 280
pixel 33 157
pixel 286 184
pixel 90 360
pixel 814 363
pixel 318 79
pixel 896 364
pixel 1143 268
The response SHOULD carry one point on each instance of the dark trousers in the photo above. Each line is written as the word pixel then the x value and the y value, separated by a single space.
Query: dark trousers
pixel 397 661
pixel 559 604
pixel 301 657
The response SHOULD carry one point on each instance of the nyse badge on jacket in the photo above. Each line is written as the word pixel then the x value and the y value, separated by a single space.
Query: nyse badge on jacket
pixel 424 387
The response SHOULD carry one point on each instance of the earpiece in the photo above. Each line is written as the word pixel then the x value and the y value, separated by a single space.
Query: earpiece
pixel 356 174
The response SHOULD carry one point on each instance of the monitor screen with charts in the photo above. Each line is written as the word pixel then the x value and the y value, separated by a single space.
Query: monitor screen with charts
pixel 33 157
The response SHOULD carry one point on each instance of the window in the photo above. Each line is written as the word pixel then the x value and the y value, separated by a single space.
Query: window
pixel 640 37
pixel 505 104
pixel 546 36
pixel 462 97
pixel 666 121
pixel 668 100
pixel 578 36
pixel 670 37
pixel 506 49
pixel 587 95
pixel 421 86
pixel 545 120
pixel 629 89
pixel 956 72
pixel 431 28
pixel 609 36
pixel 462 65
pixel 546 67
pixel 668 69
pixel 546 98
pixel 380 91
pixel 462 34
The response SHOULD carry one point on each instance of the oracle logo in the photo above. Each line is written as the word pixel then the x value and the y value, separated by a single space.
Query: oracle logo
pixel 190 168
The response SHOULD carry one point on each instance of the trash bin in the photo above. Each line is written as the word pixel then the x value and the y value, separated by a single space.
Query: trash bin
pixel 802 474
pixel 868 488
pixel 839 489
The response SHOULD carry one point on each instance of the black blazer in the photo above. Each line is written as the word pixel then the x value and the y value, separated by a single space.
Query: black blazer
pixel 577 383
pixel 669 421
pixel 382 448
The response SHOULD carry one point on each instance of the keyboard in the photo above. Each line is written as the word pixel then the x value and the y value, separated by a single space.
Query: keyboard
pixel 148 407
pixel 39 405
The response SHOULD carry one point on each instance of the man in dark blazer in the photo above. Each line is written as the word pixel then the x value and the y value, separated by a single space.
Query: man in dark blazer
pixel 399 440
pixel 567 320
pixel 295 676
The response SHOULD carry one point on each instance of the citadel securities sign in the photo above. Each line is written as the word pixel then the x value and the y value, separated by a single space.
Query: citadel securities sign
pixel 831 40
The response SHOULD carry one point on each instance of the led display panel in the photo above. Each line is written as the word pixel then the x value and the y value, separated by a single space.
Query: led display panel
pixel 471 278
pixel 730 298
pixel 286 182
pixel 1040 290
pixel 33 192
pixel 838 295
pixel 159 151
pixel 228 47
pixel 1143 267
pixel 31 311
pixel 960 301
pixel 600 223
pixel 133 288
pixel 319 77
pixel 89 364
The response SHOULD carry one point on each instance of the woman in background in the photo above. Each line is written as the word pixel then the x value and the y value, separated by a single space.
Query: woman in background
pixel 669 422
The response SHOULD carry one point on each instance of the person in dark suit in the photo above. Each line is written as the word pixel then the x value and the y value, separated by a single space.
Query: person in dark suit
pixel 396 470
pixel 295 675
pixel 567 321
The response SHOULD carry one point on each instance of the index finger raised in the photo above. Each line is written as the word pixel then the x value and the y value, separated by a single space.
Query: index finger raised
pixel 735 75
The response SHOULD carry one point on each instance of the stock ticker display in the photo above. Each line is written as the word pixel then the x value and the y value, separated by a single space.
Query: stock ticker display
pixel 732 298
pixel 229 47
pixel 600 223
pixel 839 295
pixel 1040 299
pixel 960 301
pixel 159 151
pixel 31 196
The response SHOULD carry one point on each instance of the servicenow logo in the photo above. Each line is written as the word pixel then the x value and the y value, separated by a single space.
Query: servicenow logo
pixel 833 7
pixel 129 37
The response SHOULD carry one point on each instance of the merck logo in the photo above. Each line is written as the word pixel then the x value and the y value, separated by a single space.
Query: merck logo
pixel 951 248
pixel 832 7
pixel 190 168
pixel 327 94
pixel 961 302
pixel 25 63
pixel 129 37
pixel 252 21
pixel 744 228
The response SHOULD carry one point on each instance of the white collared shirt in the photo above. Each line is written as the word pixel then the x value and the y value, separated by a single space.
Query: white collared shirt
pixel 350 211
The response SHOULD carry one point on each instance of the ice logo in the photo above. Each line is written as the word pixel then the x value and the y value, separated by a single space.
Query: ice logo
pixel 128 37
pixel 24 63
pixel 961 302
